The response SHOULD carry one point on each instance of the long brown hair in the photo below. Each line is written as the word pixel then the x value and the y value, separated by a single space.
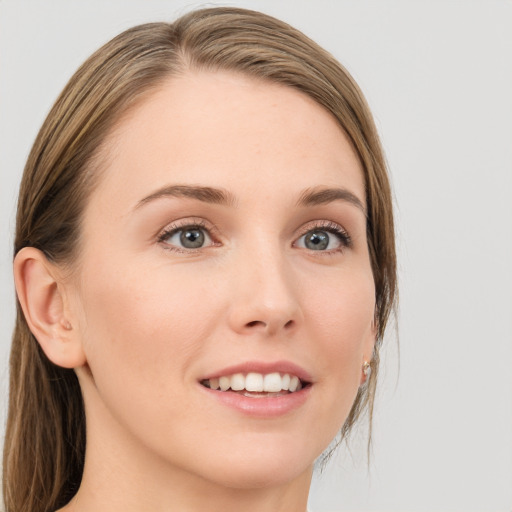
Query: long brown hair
pixel 45 439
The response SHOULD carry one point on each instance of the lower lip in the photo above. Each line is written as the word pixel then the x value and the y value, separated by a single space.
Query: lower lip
pixel 263 407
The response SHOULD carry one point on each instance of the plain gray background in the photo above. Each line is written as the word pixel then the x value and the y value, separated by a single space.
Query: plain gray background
pixel 438 77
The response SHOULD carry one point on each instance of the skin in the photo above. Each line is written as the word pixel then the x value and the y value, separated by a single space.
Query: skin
pixel 145 320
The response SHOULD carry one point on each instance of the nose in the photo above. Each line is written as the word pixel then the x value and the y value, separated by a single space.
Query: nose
pixel 265 299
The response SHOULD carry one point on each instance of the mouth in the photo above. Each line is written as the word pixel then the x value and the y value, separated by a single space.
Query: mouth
pixel 257 385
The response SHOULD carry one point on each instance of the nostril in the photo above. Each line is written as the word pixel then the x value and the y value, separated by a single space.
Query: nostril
pixel 259 323
pixel 255 323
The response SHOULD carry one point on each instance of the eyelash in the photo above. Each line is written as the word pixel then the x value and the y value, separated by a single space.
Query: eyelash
pixel 328 226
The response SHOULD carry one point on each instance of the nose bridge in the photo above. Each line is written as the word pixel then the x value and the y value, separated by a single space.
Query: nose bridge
pixel 266 299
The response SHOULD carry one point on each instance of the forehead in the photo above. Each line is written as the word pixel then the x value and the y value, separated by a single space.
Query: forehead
pixel 228 130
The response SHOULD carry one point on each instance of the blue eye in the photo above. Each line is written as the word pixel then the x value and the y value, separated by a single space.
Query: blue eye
pixel 328 238
pixel 317 240
pixel 187 237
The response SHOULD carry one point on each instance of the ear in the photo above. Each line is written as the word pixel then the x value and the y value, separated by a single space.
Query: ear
pixel 40 291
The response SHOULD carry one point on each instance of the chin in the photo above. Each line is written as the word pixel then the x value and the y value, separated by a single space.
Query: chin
pixel 249 476
pixel 263 463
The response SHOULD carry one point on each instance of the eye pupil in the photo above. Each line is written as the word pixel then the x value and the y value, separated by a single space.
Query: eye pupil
pixel 317 240
pixel 192 238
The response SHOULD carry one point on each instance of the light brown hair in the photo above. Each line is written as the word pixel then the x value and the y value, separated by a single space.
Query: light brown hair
pixel 45 439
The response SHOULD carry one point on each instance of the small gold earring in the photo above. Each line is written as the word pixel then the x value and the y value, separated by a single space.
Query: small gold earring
pixel 367 370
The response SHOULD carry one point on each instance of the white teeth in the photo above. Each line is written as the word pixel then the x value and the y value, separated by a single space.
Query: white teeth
pixel 237 382
pixel 272 383
pixel 225 383
pixel 257 382
pixel 254 382
pixel 294 383
pixel 285 382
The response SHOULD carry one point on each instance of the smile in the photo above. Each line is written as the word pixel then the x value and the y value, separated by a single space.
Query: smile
pixel 257 385
pixel 259 389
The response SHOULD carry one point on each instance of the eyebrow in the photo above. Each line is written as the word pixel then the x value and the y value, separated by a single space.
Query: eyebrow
pixel 309 197
pixel 319 195
pixel 201 193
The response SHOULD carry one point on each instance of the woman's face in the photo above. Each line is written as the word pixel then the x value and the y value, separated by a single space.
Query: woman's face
pixel 226 237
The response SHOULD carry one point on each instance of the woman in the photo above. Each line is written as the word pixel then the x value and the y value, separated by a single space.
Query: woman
pixel 205 265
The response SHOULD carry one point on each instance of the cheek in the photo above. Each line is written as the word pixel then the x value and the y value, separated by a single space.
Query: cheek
pixel 143 324
pixel 343 310
pixel 342 322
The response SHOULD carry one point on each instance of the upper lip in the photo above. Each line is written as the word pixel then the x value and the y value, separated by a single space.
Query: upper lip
pixel 263 368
